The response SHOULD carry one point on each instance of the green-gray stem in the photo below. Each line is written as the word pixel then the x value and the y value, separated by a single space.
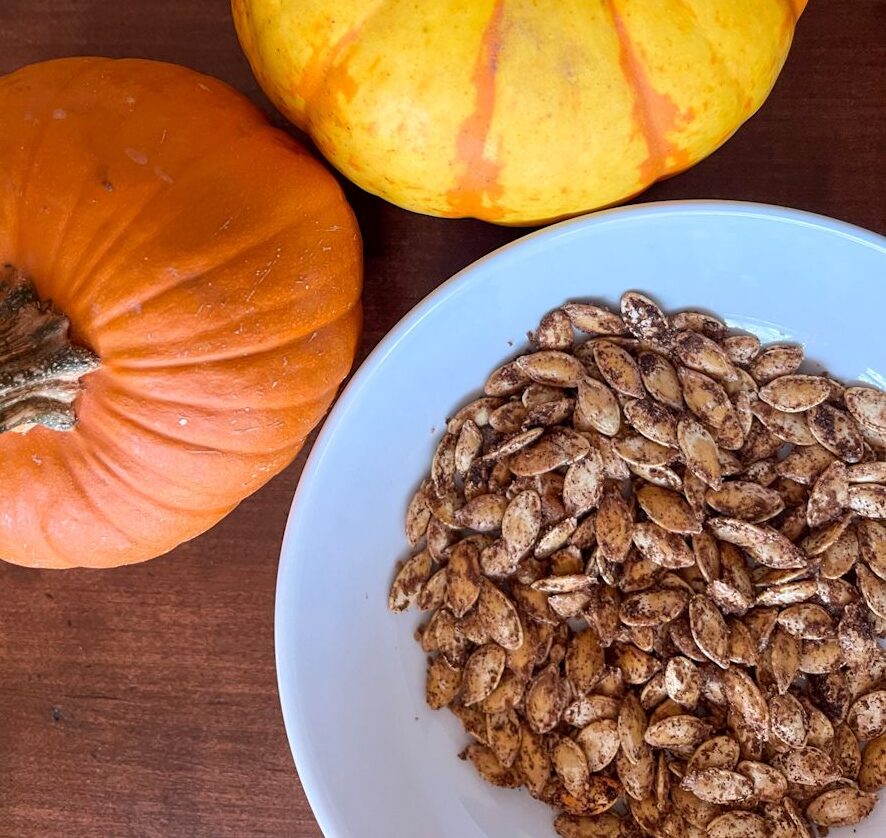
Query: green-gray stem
pixel 40 370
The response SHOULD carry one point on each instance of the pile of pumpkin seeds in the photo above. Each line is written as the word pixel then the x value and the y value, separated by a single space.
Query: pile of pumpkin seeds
pixel 654 563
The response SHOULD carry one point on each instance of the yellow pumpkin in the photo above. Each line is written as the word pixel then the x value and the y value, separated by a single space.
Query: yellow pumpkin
pixel 515 111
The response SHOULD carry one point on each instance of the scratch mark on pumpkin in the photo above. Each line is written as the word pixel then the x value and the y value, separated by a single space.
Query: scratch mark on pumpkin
pixel 224 226
pixel 479 179
pixel 654 112
pixel 137 156
pixel 262 274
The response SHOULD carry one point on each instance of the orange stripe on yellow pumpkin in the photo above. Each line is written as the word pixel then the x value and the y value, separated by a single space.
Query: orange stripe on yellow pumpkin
pixel 480 173
pixel 328 67
pixel 654 113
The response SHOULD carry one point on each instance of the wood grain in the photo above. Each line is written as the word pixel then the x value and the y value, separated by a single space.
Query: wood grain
pixel 142 702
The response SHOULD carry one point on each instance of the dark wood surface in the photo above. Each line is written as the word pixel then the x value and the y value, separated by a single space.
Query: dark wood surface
pixel 142 701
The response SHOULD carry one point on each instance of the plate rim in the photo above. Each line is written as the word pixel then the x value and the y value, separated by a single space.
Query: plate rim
pixel 310 781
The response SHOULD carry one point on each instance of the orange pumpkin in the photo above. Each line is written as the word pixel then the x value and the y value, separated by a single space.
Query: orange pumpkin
pixel 210 269
pixel 513 111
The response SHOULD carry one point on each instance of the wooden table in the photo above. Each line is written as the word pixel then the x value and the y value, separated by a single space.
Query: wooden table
pixel 142 702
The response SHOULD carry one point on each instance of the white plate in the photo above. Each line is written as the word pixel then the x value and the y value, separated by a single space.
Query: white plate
pixel 374 760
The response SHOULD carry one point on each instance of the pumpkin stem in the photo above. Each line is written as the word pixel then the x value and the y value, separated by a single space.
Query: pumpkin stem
pixel 40 369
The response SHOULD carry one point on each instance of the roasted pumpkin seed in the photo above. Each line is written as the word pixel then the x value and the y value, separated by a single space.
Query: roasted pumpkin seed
pixel 700 451
pixel 742 647
pixel 653 608
pixel 614 524
pixel 554 331
pixel 717 752
pixel 489 768
pixel 769 784
pixel 867 716
pixel 709 630
pixel 583 484
pixel 507 419
pixel 682 682
pixel 741 349
pixel 594 320
pixel 873 589
pixel 872 775
pixel 682 731
pixel 660 379
pixel 869 472
pixel 867 405
pixel 619 369
pixel 795 393
pixel 718 785
pixel 558 447
pixel 482 672
pixel 667 509
pixel 705 397
pixel 600 742
pixel 807 766
pixel 653 420
pixel 868 500
pixel 637 667
pixel 784 658
pixel 829 495
pixel 546 699
pixel 836 431
pixel 872 545
pixel 699 321
pixel 843 806
pixel 790 427
pixel 698 352
pixel 503 736
pixel 644 318
pixel 571 766
pixel 410 579
pixel 443 683
pixel 463 578
pixel 521 523
pixel 478 411
pixel 666 549
pixel 551 367
pixel 553 538
pixel 738 824
pixel 746 700
pixel 775 361
pixel 788 593
pixel 605 825
pixel 787 720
